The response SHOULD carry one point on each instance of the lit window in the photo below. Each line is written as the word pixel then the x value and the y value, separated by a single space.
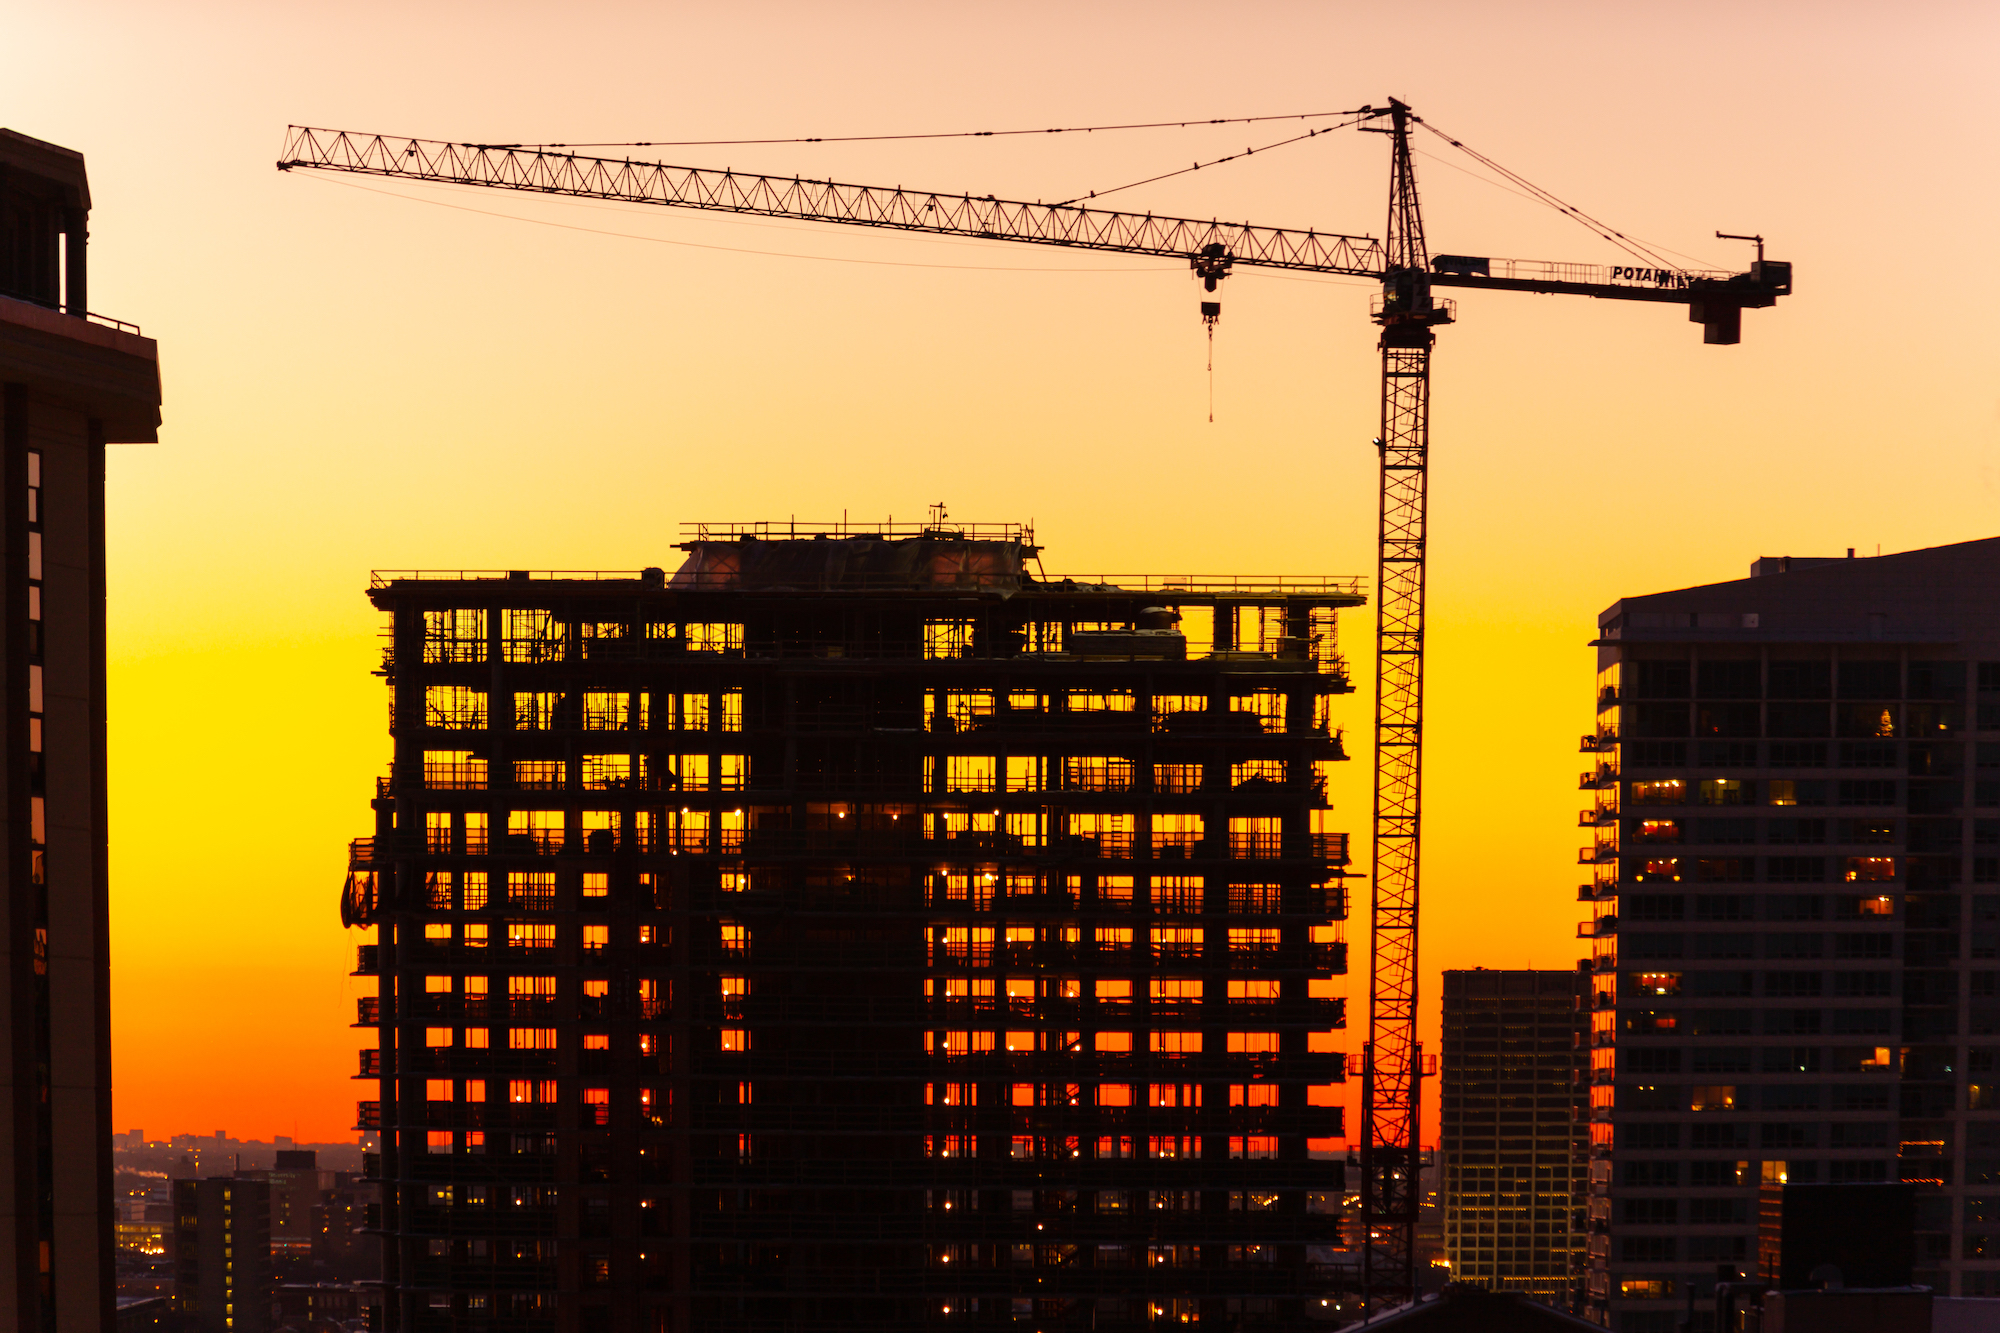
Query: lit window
pixel 1713 1098
pixel 1668 791
pixel 1725 791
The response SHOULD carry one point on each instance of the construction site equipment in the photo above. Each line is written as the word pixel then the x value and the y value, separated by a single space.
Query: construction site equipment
pixel 1407 313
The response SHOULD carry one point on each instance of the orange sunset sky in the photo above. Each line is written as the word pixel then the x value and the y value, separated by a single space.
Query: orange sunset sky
pixel 378 378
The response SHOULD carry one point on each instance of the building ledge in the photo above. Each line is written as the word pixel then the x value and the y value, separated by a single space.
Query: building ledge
pixel 110 373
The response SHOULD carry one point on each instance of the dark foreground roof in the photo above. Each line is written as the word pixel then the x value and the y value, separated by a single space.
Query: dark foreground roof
pixel 1464 1308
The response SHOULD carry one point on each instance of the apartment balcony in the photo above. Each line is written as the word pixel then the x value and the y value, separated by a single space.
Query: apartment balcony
pixel 368 1011
pixel 367 960
pixel 1598 817
pixel 1604 775
pixel 1602 927
pixel 1602 854
pixel 371 1064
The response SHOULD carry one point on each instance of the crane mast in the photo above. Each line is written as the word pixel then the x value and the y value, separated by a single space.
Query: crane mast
pixel 1391 1062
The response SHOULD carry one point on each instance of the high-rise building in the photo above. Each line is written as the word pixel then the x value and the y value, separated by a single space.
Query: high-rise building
pixel 855 930
pixel 70 383
pixel 222 1254
pixel 298 1190
pixel 1796 938
pixel 1513 1130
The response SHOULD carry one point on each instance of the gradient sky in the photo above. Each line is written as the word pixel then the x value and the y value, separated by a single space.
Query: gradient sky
pixel 363 378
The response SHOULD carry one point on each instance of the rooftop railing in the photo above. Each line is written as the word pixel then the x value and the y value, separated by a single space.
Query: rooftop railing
pixel 791 529
pixel 93 317
pixel 1248 586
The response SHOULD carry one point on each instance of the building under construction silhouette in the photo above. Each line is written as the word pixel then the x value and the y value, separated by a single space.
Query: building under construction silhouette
pixel 856 930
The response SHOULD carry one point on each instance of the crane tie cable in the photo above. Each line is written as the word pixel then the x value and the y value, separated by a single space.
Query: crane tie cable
pixel 1630 245
pixel 953 134
pixel 1355 119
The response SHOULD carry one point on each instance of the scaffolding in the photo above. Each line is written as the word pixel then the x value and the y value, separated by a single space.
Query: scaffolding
pixel 856 931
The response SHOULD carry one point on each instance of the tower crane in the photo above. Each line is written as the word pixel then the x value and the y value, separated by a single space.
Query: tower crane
pixel 1407 312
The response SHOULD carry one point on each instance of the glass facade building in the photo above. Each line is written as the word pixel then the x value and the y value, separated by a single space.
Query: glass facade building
pixel 1794 809
pixel 1513 1134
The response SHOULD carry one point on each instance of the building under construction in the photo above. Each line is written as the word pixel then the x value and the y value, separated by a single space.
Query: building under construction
pixel 856 930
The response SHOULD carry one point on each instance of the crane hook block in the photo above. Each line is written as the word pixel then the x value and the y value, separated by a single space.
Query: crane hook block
pixel 1210 312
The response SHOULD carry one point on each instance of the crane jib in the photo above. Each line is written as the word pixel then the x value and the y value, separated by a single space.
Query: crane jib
pixel 1066 223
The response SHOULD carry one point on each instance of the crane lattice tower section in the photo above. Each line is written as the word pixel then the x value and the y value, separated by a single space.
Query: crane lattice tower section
pixel 854 930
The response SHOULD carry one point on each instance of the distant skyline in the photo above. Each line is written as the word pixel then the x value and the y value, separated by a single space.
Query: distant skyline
pixel 355 380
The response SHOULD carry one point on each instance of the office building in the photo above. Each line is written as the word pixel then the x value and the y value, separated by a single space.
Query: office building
pixel 1796 930
pixel 222 1254
pixel 1513 1133
pixel 855 930
pixel 70 383
pixel 299 1191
